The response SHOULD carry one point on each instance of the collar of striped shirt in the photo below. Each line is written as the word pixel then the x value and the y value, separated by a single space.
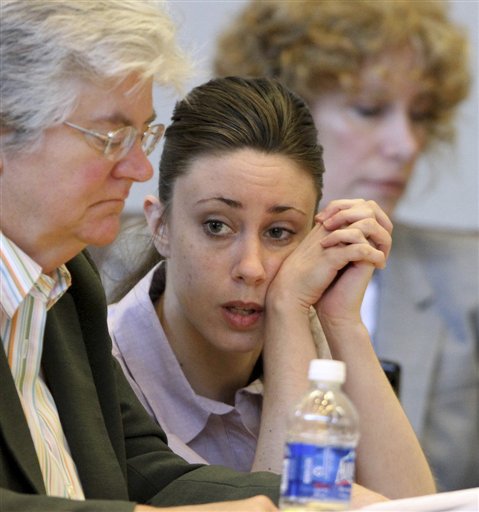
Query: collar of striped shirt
pixel 19 274
pixel 25 295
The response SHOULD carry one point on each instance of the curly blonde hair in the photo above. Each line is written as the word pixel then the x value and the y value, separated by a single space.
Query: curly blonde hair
pixel 315 47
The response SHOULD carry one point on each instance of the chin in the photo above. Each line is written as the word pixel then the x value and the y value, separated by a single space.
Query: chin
pixel 389 207
pixel 104 232
pixel 388 203
pixel 244 344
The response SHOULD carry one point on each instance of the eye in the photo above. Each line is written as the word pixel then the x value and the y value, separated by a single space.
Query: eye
pixel 369 110
pixel 215 227
pixel 280 233
pixel 122 136
pixel 422 116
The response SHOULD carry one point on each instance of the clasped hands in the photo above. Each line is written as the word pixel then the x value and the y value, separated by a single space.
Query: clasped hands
pixel 332 266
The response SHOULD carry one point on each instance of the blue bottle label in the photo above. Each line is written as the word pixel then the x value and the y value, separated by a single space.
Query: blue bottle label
pixel 317 473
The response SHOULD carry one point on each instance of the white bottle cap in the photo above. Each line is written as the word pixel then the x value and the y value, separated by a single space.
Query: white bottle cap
pixel 329 370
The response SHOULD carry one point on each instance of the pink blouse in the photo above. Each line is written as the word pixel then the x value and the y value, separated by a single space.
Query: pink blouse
pixel 198 429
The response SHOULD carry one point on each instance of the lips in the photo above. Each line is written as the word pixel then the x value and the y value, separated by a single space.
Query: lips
pixel 242 311
pixel 242 315
pixel 391 184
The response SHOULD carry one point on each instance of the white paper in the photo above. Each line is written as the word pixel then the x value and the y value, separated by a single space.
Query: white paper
pixel 466 500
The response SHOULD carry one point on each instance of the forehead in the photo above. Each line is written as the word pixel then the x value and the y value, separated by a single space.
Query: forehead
pixel 248 175
pixel 123 101
pixel 392 73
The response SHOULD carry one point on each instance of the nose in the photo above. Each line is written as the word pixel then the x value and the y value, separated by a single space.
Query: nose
pixel 401 141
pixel 134 165
pixel 249 266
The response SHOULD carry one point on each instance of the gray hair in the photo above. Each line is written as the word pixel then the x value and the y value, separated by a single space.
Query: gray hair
pixel 49 47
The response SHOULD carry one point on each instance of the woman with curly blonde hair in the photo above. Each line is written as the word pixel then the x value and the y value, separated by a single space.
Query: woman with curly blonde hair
pixel 383 80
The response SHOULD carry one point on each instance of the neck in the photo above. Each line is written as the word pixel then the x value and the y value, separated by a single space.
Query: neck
pixel 48 254
pixel 211 372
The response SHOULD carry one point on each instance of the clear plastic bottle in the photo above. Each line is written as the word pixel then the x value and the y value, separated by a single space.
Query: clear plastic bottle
pixel 320 450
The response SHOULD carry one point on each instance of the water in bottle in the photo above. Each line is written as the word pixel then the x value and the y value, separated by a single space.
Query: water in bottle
pixel 320 449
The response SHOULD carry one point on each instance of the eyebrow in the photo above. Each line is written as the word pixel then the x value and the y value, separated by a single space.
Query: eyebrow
pixel 121 119
pixel 151 118
pixel 232 203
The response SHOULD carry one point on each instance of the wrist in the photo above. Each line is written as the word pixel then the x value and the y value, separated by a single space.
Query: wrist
pixel 341 323
pixel 342 333
pixel 281 301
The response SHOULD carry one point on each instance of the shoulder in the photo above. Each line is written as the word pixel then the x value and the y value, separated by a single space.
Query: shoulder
pixel 86 285
pixel 81 267
pixel 448 259
pixel 437 243
pixel 136 301
pixel 404 232
pixel 133 319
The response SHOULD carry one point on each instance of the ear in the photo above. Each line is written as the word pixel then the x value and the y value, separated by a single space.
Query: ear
pixel 154 213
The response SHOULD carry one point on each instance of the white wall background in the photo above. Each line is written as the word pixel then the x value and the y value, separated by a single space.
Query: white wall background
pixel 445 189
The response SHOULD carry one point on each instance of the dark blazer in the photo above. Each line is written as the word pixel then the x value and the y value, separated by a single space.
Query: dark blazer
pixel 120 453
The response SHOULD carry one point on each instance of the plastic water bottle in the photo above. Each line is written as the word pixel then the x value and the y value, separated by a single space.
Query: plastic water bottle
pixel 320 449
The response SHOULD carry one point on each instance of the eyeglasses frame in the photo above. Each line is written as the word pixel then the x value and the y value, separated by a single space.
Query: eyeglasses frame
pixel 108 138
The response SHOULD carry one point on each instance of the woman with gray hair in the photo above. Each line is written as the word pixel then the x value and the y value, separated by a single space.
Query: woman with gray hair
pixel 76 126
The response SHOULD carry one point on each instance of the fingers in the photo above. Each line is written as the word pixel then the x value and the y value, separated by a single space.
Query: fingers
pixel 255 504
pixel 364 231
pixel 347 231
pixel 340 254
pixel 342 212
pixel 358 214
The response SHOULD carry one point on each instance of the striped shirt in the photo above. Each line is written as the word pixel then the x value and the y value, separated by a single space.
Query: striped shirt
pixel 26 294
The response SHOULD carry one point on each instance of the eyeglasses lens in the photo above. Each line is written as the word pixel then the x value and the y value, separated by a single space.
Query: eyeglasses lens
pixel 151 137
pixel 120 142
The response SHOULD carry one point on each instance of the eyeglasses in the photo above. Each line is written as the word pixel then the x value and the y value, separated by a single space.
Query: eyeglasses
pixel 115 144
